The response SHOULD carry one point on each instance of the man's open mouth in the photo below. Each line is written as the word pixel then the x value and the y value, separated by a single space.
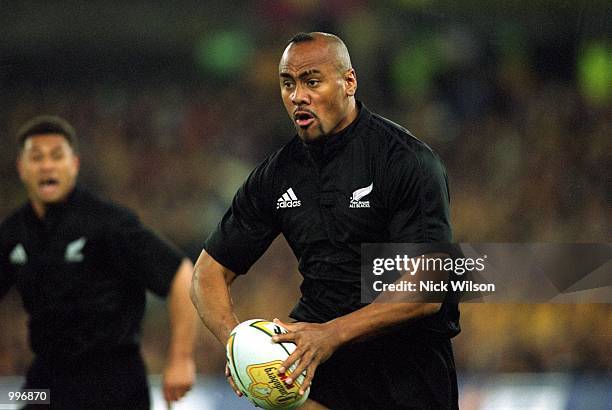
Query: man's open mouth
pixel 303 118
pixel 47 184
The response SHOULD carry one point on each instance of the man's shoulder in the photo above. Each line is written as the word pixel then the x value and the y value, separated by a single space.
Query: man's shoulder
pixel 284 156
pixel 396 136
pixel 399 143
pixel 13 220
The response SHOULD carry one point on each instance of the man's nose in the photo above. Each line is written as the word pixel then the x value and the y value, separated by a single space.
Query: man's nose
pixel 47 164
pixel 300 95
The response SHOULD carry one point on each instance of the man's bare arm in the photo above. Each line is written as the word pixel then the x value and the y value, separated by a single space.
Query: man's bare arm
pixel 211 296
pixel 179 373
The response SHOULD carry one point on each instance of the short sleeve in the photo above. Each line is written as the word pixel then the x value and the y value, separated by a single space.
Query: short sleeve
pixel 149 259
pixel 419 200
pixel 247 228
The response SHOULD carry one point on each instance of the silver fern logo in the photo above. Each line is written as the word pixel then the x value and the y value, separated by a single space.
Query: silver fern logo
pixel 18 255
pixel 356 201
pixel 74 250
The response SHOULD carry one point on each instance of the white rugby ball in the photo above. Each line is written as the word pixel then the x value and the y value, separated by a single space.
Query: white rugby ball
pixel 254 359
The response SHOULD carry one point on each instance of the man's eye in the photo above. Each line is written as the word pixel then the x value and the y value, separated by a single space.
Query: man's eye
pixel 313 83
pixel 287 84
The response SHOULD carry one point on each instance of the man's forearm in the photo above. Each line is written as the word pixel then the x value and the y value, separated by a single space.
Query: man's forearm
pixel 376 317
pixel 211 297
pixel 183 319
pixel 389 309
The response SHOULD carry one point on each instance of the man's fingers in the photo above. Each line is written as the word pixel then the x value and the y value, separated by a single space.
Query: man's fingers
pixel 230 380
pixel 169 396
pixel 168 393
pixel 310 372
pixel 181 392
pixel 303 363
pixel 175 388
pixel 293 357
pixel 287 326
pixel 174 393
pixel 285 337
pixel 233 386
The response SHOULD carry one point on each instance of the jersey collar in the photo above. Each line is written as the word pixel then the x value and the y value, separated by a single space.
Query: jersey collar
pixel 54 211
pixel 327 146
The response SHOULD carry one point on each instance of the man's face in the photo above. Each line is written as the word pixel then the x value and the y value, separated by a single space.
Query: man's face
pixel 315 91
pixel 48 167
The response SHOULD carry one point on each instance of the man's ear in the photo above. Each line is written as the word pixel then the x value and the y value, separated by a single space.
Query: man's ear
pixel 77 163
pixel 19 166
pixel 350 79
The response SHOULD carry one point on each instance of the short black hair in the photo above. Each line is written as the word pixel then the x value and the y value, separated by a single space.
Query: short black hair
pixel 343 59
pixel 47 124
pixel 301 38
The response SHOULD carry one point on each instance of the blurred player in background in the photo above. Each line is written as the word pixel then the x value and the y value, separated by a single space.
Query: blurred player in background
pixel 348 177
pixel 82 266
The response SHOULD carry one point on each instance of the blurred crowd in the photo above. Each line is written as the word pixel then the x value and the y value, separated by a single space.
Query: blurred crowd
pixel 525 139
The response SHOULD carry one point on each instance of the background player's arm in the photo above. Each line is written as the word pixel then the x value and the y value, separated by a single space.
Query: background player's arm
pixel 6 281
pixel 179 374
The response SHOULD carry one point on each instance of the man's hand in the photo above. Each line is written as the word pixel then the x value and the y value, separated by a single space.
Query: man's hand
pixel 179 376
pixel 315 343
pixel 230 380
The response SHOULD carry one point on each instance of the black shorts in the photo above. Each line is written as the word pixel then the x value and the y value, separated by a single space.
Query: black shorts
pixel 389 372
pixel 98 381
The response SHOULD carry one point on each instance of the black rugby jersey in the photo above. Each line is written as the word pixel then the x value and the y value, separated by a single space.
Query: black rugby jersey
pixel 373 182
pixel 82 273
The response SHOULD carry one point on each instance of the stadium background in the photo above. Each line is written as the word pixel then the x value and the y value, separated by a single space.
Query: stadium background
pixel 176 102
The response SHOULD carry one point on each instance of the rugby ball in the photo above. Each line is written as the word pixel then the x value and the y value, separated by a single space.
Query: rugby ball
pixel 253 359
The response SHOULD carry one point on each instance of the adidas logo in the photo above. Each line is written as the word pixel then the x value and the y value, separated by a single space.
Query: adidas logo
pixel 356 201
pixel 288 200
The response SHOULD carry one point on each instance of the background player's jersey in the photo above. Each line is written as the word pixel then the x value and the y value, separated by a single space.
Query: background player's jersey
pixel 82 273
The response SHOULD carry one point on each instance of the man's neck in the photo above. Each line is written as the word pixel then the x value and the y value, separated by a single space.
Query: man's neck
pixel 40 209
pixel 353 111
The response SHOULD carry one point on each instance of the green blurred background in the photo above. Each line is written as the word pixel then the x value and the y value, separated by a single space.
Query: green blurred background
pixel 175 102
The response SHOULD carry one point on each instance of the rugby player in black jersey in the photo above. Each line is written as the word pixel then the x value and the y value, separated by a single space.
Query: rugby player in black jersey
pixel 82 266
pixel 348 177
